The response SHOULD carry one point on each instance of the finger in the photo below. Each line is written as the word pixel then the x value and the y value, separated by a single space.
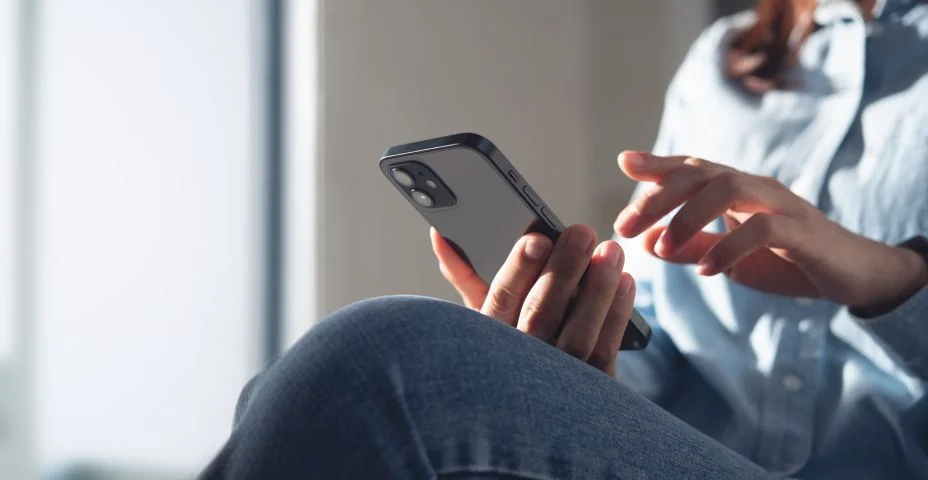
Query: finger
pixel 660 199
pixel 610 337
pixel 646 167
pixel 728 190
pixel 516 277
pixel 731 222
pixel 579 334
pixel 456 271
pixel 759 232
pixel 691 252
pixel 740 64
pixel 759 85
pixel 543 309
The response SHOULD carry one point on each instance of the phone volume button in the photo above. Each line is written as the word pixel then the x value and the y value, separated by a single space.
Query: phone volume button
pixel 547 215
pixel 527 190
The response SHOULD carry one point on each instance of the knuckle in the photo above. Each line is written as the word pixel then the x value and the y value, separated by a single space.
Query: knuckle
pixel 649 193
pixel 773 182
pixel 503 298
pixel 567 267
pixel 577 348
pixel 601 358
pixel 601 282
pixel 537 311
pixel 685 178
pixel 764 223
pixel 730 183
pixel 645 202
pixel 537 314
pixel 680 174
pixel 694 162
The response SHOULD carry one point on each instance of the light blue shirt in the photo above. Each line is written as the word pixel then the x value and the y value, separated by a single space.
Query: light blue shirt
pixel 801 386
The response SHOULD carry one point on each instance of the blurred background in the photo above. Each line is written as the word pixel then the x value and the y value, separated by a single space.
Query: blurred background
pixel 187 185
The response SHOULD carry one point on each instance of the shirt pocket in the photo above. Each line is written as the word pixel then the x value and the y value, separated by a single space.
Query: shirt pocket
pixel 898 188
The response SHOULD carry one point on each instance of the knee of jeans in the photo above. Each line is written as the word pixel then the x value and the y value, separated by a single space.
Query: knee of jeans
pixel 354 352
pixel 367 332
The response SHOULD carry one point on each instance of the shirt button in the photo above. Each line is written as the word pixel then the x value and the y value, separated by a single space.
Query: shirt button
pixel 805 325
pixel 792 383
pixel 803 302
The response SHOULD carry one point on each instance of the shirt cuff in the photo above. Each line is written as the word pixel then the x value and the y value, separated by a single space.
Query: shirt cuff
pixel 905 331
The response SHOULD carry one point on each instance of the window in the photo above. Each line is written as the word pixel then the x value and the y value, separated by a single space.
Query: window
pixel 301 88
pixel 8 191
pixel 149 231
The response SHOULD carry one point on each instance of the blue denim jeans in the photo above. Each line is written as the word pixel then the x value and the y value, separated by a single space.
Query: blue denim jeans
pixel 416 388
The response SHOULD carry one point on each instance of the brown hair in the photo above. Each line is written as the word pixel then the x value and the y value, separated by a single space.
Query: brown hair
pixel 760 56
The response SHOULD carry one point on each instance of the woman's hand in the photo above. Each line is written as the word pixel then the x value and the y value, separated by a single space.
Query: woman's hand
pixel 533 288
pixel 775 241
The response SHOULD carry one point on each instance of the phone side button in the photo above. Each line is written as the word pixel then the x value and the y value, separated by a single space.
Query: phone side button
pixel 531 195
pixel 514 176
pixel 548 217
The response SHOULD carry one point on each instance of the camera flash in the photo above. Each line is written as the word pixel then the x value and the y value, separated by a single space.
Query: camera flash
pixel 431 184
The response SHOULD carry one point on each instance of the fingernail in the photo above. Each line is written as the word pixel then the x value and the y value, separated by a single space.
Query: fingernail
pixel 626 221
pixel 625 285
pixel 635 159
pixel 664 246
pixel 609 252
pixel 579 239
pixel 536 248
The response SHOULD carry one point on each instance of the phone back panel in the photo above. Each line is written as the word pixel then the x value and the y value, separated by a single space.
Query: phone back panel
pixel 490 213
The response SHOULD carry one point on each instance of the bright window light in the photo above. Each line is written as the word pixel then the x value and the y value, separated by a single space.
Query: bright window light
pixel 301 106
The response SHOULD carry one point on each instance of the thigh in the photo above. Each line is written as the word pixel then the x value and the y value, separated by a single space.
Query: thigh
pixel 434 383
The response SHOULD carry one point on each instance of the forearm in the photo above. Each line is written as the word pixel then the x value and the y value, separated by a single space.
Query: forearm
pixel 901 321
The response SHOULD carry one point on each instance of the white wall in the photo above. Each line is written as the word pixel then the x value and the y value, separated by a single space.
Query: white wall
pixel 147 263
pixel 561 87
pixel 636 47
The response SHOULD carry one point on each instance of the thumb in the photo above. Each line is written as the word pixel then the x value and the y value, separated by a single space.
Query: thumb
pixel 463 278
pixel 692 251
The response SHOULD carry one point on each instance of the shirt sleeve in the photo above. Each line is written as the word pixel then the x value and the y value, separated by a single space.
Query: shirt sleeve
pixel 905 331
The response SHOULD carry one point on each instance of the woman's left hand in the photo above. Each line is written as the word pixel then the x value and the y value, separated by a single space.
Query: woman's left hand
pixel 775 242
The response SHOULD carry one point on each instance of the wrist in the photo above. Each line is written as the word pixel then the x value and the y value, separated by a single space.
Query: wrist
pixel 910 275
pixel 917 270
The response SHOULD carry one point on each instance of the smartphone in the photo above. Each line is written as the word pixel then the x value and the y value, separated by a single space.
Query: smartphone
pixel 466 188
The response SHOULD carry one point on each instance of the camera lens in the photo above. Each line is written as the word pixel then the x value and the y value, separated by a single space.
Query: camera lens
pixel 422 198
pixel 402 177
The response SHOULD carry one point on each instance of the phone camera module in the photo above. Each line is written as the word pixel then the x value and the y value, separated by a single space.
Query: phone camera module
pixel 422 198
pixel 420 184
pixel 402 177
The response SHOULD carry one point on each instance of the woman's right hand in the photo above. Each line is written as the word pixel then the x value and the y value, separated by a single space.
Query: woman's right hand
pixel 533 288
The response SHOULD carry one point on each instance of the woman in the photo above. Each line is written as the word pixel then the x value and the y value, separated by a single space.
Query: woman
pixel 791 335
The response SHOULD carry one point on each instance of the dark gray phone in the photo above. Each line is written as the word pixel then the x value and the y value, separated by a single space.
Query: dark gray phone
pixel 467 189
